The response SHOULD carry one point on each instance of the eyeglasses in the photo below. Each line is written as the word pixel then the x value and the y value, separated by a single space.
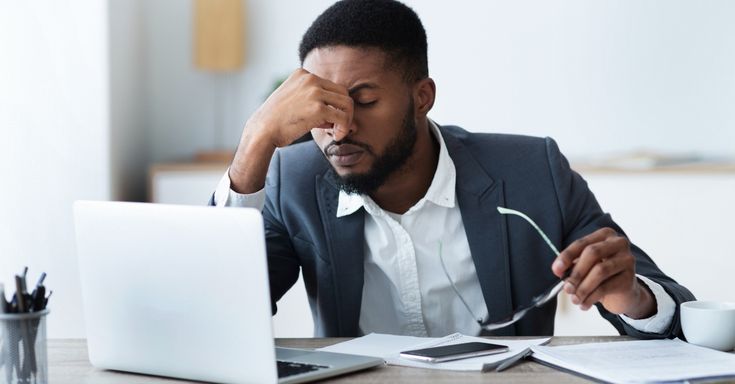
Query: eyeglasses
pixel 537 301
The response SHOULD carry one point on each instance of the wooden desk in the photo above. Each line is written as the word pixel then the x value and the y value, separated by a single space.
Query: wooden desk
pixel 68 363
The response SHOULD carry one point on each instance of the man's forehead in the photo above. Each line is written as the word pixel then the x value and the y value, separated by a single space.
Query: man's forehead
pixel 348 66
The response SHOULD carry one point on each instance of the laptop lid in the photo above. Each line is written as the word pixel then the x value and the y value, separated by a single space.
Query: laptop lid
pixel 178 291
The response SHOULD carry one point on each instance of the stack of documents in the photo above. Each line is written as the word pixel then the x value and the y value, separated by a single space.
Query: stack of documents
pixel 388 348
pixel 639 361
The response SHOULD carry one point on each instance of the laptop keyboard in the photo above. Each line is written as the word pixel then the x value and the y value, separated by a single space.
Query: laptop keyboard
pixel 290 368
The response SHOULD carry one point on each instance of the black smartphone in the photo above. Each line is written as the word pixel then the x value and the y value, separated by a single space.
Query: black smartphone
pixel 454 352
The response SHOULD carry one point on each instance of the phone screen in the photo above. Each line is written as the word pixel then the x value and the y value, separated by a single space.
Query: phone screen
pixel 453 352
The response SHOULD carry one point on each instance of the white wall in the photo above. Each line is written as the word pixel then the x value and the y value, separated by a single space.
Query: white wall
pixel 53 140
pixel 596 75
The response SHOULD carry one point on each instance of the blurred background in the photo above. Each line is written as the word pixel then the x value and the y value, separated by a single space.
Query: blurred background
pixel 120 100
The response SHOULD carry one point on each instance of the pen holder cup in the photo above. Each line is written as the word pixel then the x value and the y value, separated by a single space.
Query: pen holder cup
pixel 23 356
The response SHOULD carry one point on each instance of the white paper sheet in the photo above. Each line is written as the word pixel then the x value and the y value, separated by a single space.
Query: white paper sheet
pixel 388 348
pixel 639 361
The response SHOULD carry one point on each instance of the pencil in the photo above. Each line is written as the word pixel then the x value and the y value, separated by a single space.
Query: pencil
pixel 25 336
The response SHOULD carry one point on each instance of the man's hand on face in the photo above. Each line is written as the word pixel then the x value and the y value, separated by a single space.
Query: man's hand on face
pixel 603 270
pixel 304 101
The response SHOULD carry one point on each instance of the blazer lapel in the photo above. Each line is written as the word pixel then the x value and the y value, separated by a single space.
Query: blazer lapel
pixel 478 196
pixel 345 238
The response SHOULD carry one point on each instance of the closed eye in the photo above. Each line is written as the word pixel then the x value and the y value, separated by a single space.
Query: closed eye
pixel 365 104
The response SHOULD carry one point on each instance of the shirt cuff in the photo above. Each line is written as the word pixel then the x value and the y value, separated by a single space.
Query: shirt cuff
pixel 226 197
pixel 665 307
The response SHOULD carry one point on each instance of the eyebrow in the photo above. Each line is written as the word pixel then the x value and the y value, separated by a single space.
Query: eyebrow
pixel 362 86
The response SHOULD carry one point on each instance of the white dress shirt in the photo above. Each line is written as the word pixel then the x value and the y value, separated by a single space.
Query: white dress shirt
pixel 405 289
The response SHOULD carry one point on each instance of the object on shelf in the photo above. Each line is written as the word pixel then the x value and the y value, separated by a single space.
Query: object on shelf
pixel 215 156
pixel 644 160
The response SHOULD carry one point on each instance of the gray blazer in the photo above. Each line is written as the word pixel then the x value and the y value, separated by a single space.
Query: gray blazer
pixel 512 262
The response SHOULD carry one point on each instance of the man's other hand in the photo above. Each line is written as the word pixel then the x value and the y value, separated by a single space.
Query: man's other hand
pixel 603 270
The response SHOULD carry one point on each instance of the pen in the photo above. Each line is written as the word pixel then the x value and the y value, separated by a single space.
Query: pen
pixel 39 284
pixel 38 298
pixel 19 294
pixel 512 360
pixel 45 302
pixel 41 279
pixel 23 337
pixel 27 298
pixel 29 360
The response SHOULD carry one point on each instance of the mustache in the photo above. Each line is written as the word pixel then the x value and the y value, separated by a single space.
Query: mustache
pixel 364 146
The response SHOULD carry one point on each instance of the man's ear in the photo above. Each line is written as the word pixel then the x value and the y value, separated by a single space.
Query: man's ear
pixel 423 96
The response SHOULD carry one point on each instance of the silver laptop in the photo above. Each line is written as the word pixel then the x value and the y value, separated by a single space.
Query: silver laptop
pixel 182 291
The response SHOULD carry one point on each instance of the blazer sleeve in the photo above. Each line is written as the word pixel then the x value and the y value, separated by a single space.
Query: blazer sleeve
pixel 283 264
pixel 582 215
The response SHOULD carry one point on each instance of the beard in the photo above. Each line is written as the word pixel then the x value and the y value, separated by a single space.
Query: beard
pixel 391 161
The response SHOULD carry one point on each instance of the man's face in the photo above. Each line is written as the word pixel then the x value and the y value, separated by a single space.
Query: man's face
pixel 383 131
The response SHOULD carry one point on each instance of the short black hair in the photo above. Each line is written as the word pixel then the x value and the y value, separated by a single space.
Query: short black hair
pixel 387 25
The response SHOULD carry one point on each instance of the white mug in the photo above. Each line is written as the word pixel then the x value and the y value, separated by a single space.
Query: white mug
pixel 709 324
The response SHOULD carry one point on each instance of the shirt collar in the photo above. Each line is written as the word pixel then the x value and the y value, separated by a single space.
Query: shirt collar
pixel 441 191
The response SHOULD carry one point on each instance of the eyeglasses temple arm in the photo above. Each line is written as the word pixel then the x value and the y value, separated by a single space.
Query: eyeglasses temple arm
pixel 454 287
pixel 508 211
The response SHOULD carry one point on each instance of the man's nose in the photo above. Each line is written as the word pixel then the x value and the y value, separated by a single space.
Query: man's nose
pixel 340 132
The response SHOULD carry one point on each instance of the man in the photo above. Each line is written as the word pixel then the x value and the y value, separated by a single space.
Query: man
pixel 392 219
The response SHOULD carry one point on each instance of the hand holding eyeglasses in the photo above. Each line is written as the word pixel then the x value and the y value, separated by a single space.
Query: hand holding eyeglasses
pixel 601 269
pixel 597 267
